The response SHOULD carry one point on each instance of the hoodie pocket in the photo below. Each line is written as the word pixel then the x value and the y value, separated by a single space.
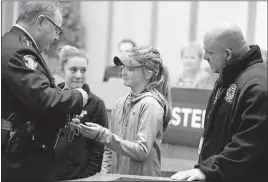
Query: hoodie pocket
pixel 135 167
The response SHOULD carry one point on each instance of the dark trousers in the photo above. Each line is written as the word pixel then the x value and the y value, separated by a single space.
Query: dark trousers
pixel 4 139
pixel 38 163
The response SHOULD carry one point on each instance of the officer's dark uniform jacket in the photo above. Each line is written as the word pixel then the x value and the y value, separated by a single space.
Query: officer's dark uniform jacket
pixel 77 156
pixel 29 91
pixel 235 144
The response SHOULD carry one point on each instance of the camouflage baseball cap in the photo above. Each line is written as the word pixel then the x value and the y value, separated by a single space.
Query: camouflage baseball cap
pixel 146 56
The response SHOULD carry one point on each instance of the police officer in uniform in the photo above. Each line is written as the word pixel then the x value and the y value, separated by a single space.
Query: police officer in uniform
pixel 33 108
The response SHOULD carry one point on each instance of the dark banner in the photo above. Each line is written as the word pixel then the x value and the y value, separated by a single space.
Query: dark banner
pixel 188 114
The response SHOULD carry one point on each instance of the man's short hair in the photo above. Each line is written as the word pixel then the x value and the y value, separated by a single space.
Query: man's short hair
pixel 32 9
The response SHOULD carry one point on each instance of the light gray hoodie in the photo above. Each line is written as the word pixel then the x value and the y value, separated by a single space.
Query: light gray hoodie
pixel 136 135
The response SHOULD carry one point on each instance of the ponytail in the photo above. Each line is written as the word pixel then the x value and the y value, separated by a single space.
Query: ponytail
pixel 166 92
pixel 161 82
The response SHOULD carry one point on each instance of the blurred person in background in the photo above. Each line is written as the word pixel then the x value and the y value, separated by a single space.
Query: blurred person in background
pixel 113 79
pixel 32 105
pixel 140 117
pixel 234 144
pixel 77 156
pixel 192 75
pixel 126 45
pixel 114 71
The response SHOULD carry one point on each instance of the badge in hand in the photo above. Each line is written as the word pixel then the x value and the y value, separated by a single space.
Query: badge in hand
pixel 74 125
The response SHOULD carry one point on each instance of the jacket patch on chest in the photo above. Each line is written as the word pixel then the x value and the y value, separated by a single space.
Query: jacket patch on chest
pixel 230 93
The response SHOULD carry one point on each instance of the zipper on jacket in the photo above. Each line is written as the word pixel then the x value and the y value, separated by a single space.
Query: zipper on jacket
pixel 216 98
pixel 126 110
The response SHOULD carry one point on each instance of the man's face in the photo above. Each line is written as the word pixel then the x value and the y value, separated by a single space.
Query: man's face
pixel 191 60
pixel 214 54
pixel 51 31
pixel 132 77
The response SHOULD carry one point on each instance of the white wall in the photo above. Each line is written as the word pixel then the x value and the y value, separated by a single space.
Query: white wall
pixel 131 20
pixel 134 20
pixel 173 33
pixel 9 14
pixel 94 16
pixel 212 12
pixel 261 25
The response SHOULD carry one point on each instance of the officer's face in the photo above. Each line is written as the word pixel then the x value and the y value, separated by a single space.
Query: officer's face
pixel 75 72
pixel 52 32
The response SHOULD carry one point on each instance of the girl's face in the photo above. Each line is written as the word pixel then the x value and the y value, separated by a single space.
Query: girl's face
pixel 133 77
pixel 75 72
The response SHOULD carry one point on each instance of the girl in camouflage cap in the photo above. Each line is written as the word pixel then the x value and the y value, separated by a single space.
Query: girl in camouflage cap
pixel 139 118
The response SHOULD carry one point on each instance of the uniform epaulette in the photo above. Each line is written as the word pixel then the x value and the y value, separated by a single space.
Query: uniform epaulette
pixel 26 43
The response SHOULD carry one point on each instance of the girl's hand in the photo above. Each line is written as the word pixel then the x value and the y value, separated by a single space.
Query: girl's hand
pixel 90 130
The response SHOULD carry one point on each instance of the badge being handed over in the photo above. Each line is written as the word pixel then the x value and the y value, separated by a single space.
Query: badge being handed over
pixel 90 130
pixel 74 125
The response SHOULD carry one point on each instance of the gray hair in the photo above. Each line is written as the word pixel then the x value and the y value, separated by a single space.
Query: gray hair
pixel 32 9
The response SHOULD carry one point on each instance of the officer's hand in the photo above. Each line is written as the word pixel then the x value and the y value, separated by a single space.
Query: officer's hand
pixel 189 175
pixel 90 130
pixel 84 94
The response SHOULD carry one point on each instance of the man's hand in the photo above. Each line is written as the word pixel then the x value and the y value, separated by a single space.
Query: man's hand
pixel 189 175
pixel 84 94
pixel 90 130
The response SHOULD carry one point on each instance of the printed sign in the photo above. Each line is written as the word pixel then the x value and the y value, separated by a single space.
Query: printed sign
pixel 188 115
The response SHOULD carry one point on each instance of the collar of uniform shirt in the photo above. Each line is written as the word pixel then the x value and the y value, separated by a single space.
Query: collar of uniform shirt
pixel 18 26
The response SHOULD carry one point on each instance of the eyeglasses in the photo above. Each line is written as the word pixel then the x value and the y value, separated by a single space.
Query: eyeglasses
pixel 58 29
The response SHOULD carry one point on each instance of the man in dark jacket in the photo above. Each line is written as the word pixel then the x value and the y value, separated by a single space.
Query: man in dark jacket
pixel 234 145
pixel 29 95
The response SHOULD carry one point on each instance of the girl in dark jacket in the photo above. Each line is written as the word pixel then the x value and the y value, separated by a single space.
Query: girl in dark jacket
pixel 77 156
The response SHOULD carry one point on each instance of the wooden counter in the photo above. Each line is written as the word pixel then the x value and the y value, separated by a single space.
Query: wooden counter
pixel 120 177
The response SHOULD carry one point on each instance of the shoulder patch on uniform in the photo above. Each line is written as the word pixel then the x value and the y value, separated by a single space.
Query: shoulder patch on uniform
pixel 29 61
